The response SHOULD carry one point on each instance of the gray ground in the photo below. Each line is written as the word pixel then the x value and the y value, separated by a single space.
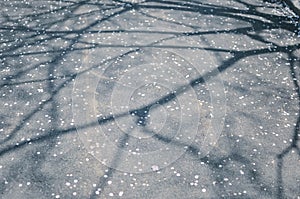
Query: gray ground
pixel 149 99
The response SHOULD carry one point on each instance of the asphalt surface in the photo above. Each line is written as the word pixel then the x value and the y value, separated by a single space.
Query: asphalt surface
pixel 149 99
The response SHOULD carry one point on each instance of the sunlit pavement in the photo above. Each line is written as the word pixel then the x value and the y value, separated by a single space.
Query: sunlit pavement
pixel 149 99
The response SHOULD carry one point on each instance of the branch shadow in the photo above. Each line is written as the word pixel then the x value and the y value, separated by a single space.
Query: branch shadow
pixel 141 114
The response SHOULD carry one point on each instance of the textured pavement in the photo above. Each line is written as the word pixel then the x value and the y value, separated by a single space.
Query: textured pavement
pixel 149 99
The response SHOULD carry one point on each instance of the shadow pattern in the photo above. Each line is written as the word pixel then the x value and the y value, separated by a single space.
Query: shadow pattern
pixel 42 47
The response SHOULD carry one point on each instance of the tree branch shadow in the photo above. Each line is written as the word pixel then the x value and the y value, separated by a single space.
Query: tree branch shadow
pixel 141 113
